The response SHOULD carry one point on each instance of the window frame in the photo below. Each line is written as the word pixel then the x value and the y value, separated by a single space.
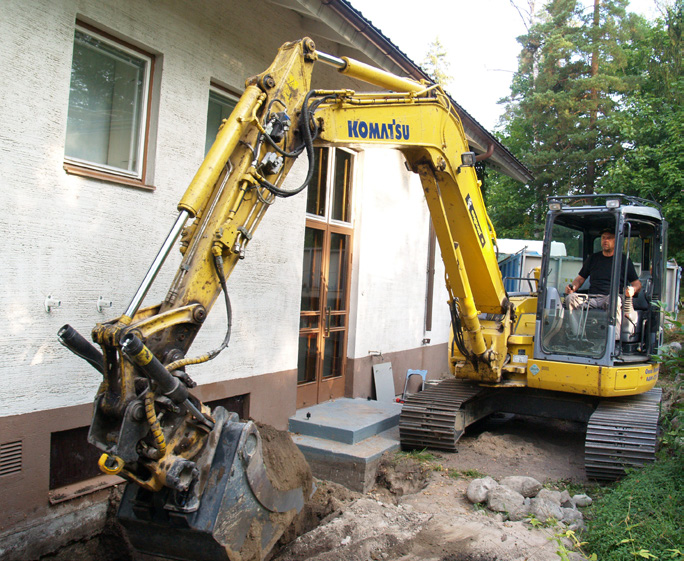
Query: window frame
pixel 225 93
pixel 77 166
pixel 329 187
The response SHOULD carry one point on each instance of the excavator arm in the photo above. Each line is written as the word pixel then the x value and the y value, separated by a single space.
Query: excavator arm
pixel 423 125
pixel 203 471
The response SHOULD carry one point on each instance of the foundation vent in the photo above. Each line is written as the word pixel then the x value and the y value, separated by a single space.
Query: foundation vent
pixel 10 458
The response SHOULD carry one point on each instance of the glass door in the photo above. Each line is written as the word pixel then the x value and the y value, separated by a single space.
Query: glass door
pixel 324 315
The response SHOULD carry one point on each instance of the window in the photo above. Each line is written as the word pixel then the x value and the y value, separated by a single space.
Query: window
pixel 108 107
pixel 331 199
pixel 221 105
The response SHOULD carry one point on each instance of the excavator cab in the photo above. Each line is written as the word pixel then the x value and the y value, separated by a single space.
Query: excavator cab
pixel 594 334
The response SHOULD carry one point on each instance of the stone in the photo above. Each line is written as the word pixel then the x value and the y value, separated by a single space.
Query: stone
pixel 582 500
pixel 503 499
pixel 479 488
pixel 566 500
pixel 553 496
pixel 519 513
pixel 577 526
pixel 526 486
pixel 543 509
pixel 571 516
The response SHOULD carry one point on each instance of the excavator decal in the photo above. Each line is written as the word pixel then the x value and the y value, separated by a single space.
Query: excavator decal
pixel 381 131
pixel 476 222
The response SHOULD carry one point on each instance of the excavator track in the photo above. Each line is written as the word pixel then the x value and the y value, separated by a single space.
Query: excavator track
pixel 622 433
pixel 436 417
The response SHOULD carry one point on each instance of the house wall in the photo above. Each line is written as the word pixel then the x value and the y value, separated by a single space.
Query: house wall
pixel 390 277
pixel 77 238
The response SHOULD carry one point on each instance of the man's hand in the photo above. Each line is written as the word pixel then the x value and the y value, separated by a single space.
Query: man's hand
pixel 569 289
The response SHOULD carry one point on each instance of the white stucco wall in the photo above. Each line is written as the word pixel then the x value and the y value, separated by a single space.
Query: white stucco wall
pixel 78 238
pixel 390 260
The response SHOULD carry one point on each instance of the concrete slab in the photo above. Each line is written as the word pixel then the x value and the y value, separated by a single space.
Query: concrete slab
pixel 345 420
pixel 352 465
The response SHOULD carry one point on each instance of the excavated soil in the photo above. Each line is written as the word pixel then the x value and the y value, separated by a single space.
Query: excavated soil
pixel 418 511
pixel 546 449
pixel 286 466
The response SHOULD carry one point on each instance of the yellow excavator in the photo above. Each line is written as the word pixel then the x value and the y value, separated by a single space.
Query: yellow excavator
pixel 201 485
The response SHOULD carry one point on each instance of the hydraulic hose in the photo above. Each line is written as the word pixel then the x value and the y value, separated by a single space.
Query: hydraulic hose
pixel 155 427
pixel 168 384
pixel 181 363
pixel 308 138
pixel 78 345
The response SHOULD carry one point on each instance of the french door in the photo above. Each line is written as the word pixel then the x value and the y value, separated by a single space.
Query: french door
pixel 324 316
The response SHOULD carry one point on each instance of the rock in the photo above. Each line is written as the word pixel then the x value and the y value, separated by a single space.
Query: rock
pixel 577 526
pixel 520 513
pixel 553 496
pixel 503 499
pixel 479 488
pixel 571 516
pixel 526 486
pixel 543 509
pixel 582 500
pixel 566 500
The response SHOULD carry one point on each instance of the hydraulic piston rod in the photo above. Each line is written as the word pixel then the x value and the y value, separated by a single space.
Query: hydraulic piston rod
pixel 156 265
pixel 370 74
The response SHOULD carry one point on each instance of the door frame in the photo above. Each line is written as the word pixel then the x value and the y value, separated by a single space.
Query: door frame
pixel 325 389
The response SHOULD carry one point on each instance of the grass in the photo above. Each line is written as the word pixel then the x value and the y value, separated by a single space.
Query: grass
pixel 642 515
pixel 469 473
pixel 420 456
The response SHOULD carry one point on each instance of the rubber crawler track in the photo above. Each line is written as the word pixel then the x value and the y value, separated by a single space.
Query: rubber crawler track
pixel 621 433
pixel 428 418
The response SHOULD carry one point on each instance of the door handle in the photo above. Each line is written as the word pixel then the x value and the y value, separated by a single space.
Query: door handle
pixel 327 322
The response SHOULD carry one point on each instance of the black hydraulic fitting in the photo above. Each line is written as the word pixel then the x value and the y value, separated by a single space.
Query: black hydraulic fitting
pixel 168 384
pixel 80 346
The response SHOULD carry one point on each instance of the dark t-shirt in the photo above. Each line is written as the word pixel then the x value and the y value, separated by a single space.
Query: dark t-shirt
pixel 599 268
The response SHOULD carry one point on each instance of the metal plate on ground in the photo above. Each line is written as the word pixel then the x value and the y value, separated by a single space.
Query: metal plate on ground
pixel 384 381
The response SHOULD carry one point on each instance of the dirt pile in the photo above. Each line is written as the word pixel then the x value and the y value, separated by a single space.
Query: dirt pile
pixel 328 500
pixel 402 476
pixel 367 529
pixel 285 464
pixel 548 450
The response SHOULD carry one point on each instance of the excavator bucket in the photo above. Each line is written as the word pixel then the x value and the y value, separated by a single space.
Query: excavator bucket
pixel 250 490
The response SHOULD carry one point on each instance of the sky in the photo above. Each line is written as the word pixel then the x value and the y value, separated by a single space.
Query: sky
pixel 478 35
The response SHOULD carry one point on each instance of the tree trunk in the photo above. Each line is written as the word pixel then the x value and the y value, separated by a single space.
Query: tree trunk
pixel 593 99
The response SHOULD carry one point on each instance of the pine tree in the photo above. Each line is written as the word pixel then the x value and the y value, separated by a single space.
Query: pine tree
pixel 651 124
pixel 436 64
pixel 571 80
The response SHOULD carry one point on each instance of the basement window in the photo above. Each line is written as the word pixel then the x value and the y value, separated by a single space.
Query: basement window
pixel 72 457
pixel 108 108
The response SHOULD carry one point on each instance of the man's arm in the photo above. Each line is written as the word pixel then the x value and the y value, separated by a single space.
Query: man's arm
pixel 633 279
pixel 575 285
pixel 633 288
